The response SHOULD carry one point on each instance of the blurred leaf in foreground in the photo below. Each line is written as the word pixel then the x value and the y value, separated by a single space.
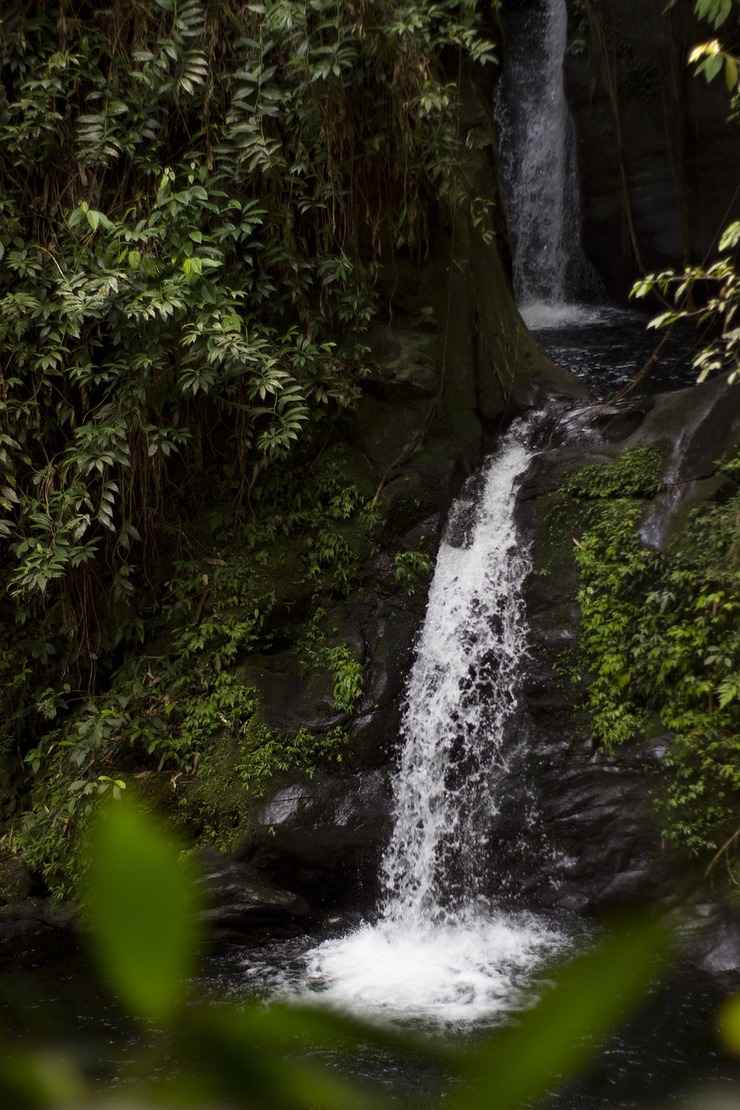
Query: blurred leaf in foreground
pixel 553 1041
pixel 39 1080
pixel 142 909
pixel 729 1024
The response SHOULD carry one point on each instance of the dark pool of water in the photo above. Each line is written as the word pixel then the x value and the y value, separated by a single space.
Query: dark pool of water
pixel 667 1056
pixel 608 347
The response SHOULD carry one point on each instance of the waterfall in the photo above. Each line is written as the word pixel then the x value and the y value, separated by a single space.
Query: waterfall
pixel 539 170
pixel 461 693
pixel 440 949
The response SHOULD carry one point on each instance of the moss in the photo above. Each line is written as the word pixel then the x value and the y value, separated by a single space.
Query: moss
pixel 658 642
pixel 212 805
pixel 636 473
pixel 217 803
pixel 177 720
pixel 660 649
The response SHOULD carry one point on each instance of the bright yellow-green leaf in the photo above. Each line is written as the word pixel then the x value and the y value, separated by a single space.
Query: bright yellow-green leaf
pixel 38 1080
pixel 142 910
pixel 729 1024
pixel 590 998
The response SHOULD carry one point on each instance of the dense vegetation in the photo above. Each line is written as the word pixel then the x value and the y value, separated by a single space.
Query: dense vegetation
pixel 660 640
pixel 196 199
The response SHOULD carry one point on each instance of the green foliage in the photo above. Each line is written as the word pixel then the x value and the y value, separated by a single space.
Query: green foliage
pixel 317 654
pixel 194 200
pixel 413 568
pixel 145 723
pixel 141 903
pixel 270 754
pixel 177 712
pixel 347 671
pixel 660 642
pixel 715 12
pixel 636 474
pixel 717 283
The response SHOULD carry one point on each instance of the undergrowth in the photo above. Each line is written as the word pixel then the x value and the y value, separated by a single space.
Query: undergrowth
pixel 660 642
pixel 177 716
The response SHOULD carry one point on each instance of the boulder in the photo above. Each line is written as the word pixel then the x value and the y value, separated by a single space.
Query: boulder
pixel 239 904
pixel 593 820
pixel 324 837
pixel 35 931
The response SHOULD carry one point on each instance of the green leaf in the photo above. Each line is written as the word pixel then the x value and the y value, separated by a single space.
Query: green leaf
pixel 729 1024
pixel 35 1081
pixel 551 1042
pixel 730 236
pixel 141 907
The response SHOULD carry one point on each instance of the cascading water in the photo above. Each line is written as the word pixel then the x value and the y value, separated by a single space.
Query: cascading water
pixel 440 950
pixel 540 179
pixel 461 693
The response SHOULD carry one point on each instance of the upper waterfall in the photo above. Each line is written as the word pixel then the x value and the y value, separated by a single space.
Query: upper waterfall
pixel 539 171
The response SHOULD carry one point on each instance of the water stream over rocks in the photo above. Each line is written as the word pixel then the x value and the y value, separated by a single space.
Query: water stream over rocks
pixel 441 950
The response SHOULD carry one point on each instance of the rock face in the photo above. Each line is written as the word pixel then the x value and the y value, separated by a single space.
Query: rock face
pixel 601 846
pixel 238 902
pixel 657 158
pixel 324 837
pixel 33 931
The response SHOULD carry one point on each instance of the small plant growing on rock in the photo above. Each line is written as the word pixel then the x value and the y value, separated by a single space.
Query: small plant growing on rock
pixel 412 569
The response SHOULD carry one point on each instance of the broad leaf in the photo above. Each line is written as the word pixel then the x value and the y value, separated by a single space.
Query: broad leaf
pixel 141 907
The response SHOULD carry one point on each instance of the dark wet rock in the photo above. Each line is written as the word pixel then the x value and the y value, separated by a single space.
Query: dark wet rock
pixel 240 903
pixel 291 698
pixel 696 425
pixel 16 881
pixel 406 359
pixel 35 931
pixel 654 144
pixel 710 934
pixel 601 825
pixel 323 838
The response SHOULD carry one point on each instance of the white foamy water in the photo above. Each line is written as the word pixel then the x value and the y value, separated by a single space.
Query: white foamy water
pixel 461 692
pixel 473 970
pixel 541 316
pixel 440 951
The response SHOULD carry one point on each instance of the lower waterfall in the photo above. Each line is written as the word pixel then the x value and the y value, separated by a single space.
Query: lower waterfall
pixel 440 949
